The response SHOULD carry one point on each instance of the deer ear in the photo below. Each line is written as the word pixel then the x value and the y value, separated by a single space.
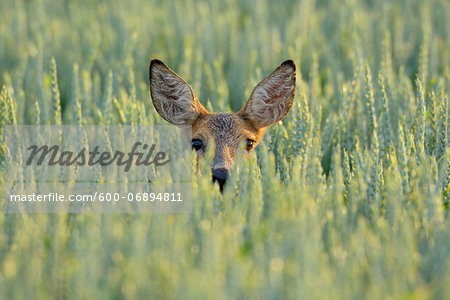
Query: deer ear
pixel 272 98
pixel 173 97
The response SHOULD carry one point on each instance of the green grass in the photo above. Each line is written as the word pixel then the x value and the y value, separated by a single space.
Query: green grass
pixel 346 199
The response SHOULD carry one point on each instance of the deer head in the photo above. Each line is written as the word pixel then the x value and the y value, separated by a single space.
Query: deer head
pixel 269 103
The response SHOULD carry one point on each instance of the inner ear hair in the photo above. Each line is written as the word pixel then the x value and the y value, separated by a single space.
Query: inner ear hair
pixel 272 98
pixel 172 97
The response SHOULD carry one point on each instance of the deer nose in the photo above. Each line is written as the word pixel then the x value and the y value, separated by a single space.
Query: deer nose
pixel 220 175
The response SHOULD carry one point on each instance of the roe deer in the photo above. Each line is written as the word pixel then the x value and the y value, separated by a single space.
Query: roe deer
pixel 269 103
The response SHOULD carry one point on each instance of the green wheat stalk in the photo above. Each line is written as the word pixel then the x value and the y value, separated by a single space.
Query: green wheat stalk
pixel 56 99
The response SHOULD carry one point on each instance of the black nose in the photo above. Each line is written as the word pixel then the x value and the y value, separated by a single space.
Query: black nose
pixel 220 175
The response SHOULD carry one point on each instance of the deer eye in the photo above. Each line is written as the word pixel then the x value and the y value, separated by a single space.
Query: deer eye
pixel 197 144
pixel 249 145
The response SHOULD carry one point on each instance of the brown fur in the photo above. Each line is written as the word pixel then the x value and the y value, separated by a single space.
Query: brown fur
pixel 269 103
pixel 225 131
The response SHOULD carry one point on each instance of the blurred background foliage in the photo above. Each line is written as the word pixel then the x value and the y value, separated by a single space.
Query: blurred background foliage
pixel 346 198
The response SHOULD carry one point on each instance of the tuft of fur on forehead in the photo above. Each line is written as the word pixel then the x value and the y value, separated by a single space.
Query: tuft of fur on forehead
pixel 225 128
pixel 272 98
pixel 222 124
pixel 173 97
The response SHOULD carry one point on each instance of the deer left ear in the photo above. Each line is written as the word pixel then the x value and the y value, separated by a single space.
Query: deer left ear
pixel 173 97
pixel 272 98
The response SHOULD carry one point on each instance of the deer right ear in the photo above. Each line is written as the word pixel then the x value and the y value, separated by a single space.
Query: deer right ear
pixel 272 98
pixel 173 97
